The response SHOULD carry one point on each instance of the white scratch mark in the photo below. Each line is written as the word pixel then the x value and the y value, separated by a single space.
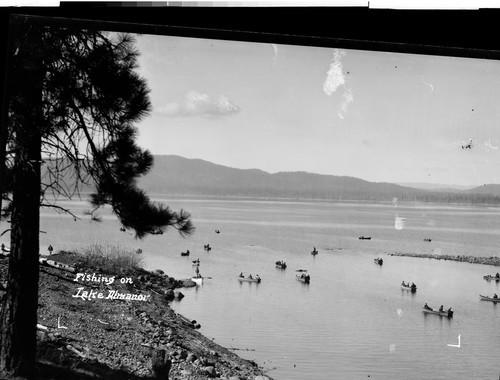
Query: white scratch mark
pixel 347 98
pixel 275 49
pixel 334 76
pixel 400 312
pixel 392 348
pixel 427 84
pixel 489 146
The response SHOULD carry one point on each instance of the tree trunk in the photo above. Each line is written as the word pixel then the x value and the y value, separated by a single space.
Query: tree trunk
pixel 19 312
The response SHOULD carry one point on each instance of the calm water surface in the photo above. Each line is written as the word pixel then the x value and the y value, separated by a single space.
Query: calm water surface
pixel 353 320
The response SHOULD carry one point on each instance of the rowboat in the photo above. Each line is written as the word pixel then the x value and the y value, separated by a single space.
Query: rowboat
pixel 413 290
pixel 314 253
pixel 486 298
pixel 365 238
pixel 280 264
pixel 197 280
pixel 490 278
pixel 246 279
pixel 305 278
pixel 428 239
pixel 378 261
pixel 185 253
pixel 445 313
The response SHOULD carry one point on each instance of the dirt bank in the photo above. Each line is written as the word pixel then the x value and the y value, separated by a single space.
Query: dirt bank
pixel 112 330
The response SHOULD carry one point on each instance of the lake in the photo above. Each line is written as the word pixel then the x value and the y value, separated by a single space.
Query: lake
pixel 353 320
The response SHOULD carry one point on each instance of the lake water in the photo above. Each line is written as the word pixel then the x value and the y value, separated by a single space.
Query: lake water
pixel 353 321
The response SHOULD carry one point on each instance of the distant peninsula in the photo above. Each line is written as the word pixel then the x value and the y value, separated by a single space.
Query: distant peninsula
pixel 175 175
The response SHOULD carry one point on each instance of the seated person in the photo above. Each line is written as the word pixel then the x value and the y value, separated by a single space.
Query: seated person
pixel 495 296
pixel 441 308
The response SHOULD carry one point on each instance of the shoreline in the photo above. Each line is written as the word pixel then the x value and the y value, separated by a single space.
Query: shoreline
pixel 492 260
pixel 117 338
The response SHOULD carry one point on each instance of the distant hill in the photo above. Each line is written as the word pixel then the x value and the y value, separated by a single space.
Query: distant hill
pixel 181 176
pixel 435 186
pixel 175 175
pixel 487 189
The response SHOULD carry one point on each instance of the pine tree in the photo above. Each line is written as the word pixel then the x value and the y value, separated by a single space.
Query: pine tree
pixel 73 100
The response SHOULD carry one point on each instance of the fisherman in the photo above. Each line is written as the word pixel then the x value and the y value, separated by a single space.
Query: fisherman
pixel 441 308
pixel 197 270
pixel 403 283
pixel 241 275
pixel 495 296
pixel 497 275
pixel 50 248
pixel 250 277
pixel 427 307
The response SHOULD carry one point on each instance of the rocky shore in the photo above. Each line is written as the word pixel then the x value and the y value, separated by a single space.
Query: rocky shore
pixel 115 329
pixel 493 260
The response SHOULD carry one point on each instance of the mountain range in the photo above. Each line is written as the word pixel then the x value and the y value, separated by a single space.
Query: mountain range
pixel 177 175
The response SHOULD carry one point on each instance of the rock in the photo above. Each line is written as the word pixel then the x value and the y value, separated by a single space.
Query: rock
pixel 210 371
pixel 169 295
pixel 179 295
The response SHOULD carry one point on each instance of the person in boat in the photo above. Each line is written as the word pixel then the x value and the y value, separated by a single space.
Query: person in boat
pixel 427 307
pixel 197 270
pixel 241 275
pixel 413 286
pixel 257 277
pixel 441 308
pixel 250 277
pixel 50 249
pixel 495 296
pixel 403 284
pixel 497 275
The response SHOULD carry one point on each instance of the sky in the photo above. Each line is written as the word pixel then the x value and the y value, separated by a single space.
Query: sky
pixel 378 116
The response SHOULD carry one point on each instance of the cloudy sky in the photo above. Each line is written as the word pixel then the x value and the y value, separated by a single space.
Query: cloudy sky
pixel 378 116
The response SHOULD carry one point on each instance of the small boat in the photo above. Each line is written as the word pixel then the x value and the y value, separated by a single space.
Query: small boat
pixel 378 261
pixel 412 289
pixel 314 252
pixel 280 264
pixel 185 253
pixel 253 279
pixel 428 239
pixel 305 278
pixel 444 313
pixel 197 280
pixel 196 262
pixel 490 278
pixel 365 238
pixel 492 299
pixel 207 247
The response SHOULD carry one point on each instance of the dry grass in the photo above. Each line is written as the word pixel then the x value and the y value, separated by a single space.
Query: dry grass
pixel 110 259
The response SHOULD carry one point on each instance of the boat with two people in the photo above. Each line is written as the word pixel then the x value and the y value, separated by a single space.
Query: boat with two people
pixel 365 238
pixel 443 313
pixel 412 288
pixel 207 247
pixel 314 252
pixel 428 239
pixel 303 277
pixel 378 261
pixel 492 299
pixel 250 278
pixel 281 264
pixel 185 253
pixel 490 277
